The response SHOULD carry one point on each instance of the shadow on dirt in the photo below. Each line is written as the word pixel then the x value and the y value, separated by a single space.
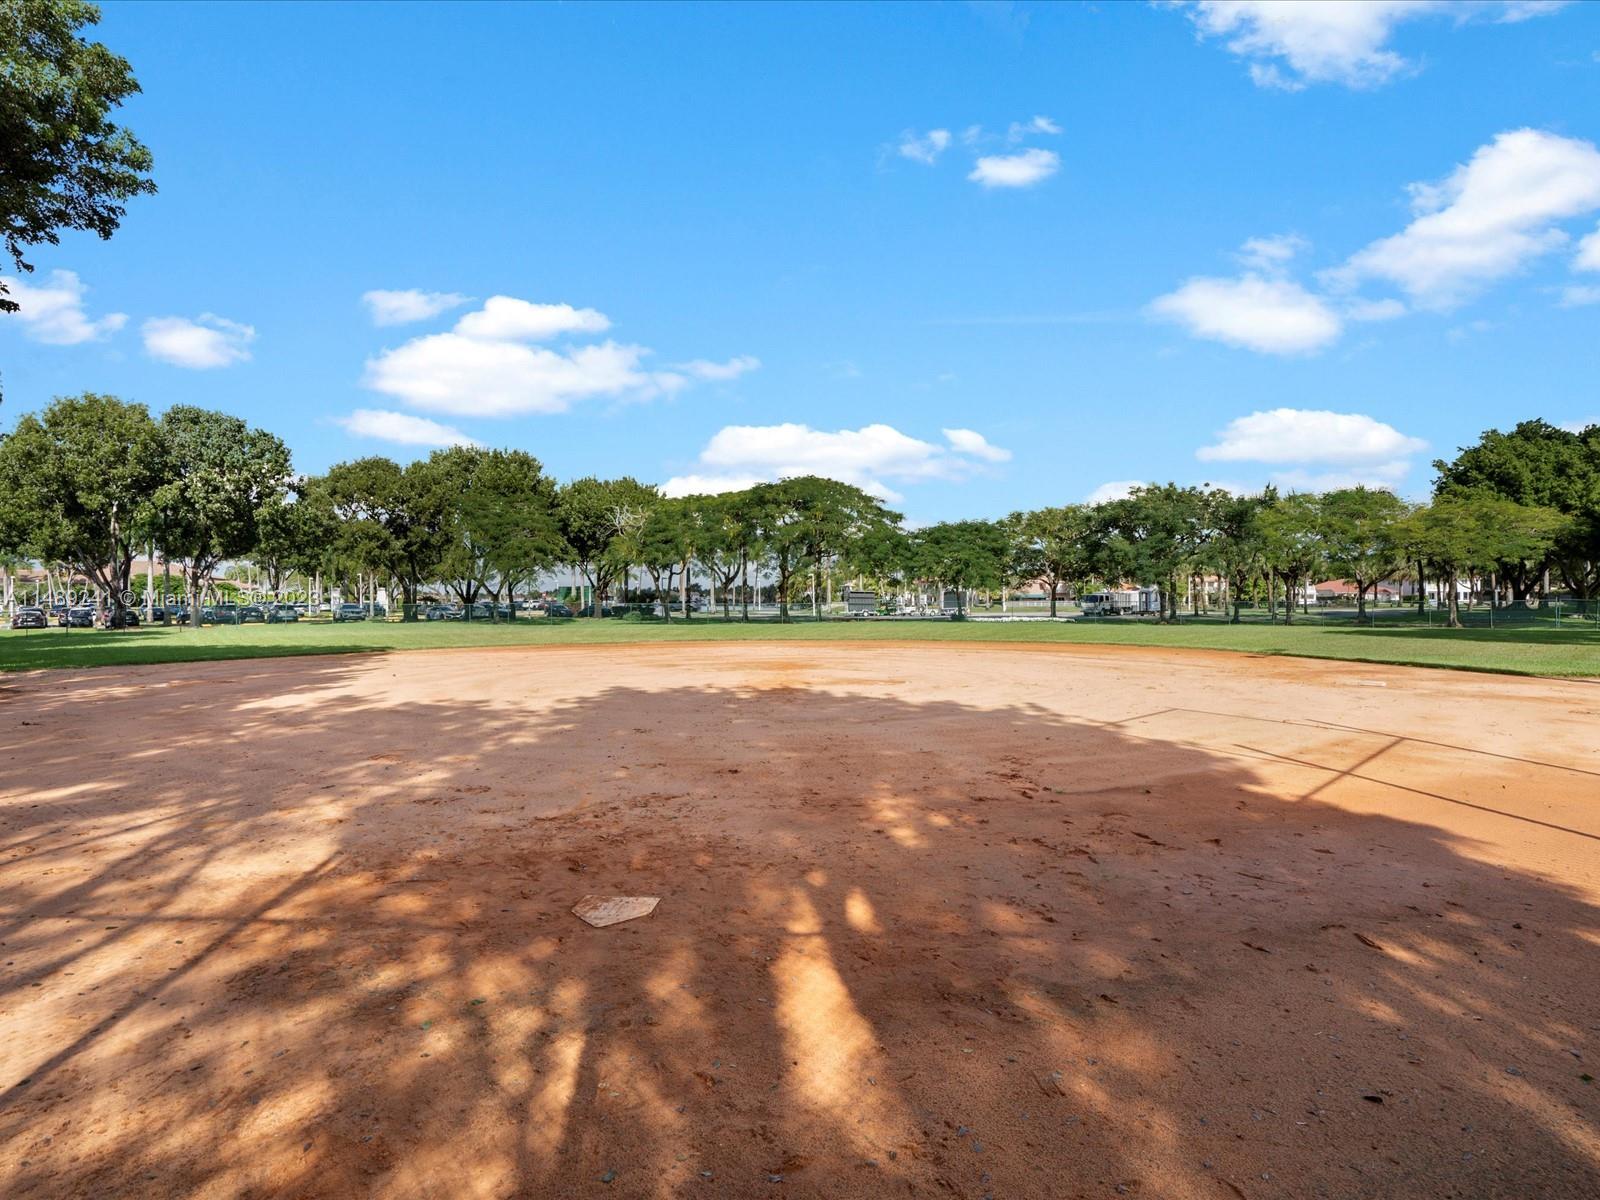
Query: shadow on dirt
pixel 283 936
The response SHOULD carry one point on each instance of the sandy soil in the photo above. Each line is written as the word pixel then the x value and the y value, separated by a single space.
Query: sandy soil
pixel 965 921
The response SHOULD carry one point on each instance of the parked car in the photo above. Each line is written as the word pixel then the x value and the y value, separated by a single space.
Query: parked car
pixel 350 612
pixel 556 609
pixel 29 618
pixel 280 614
pixel 440 612
pixel 130 618
pixel 252 612
pixel 222 614
pixel 76 618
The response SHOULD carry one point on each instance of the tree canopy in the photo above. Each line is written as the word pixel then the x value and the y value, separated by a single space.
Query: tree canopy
pixel 67 165
pixel 220 474
pixel 1545 466
pixel 78 484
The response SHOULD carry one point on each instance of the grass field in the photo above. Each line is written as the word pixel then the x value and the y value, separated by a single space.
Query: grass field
pixel 1565 651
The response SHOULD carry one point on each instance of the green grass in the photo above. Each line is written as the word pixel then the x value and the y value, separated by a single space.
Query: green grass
pixel 1561 651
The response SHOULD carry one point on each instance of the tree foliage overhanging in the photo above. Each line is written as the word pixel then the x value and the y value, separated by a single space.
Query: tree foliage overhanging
pixel 64 164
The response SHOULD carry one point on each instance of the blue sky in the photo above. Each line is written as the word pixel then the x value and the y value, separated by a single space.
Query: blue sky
pixel 975 257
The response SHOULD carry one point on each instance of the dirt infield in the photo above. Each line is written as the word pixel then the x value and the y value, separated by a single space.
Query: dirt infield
pixel 965 921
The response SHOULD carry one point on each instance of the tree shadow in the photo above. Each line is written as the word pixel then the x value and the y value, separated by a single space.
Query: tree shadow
pixel 70 650
pixel 1520 635
pixel 270 930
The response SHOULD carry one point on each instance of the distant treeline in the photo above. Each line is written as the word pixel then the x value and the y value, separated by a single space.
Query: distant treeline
pixel 92 482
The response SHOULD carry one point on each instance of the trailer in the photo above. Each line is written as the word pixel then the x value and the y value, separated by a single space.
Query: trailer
pixel 860 602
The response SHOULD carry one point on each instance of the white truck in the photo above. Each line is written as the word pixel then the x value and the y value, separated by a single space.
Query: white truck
pixel 1122 602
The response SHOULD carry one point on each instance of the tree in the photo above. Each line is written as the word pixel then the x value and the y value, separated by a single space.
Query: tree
pixel 881 553
pixel 831 517
pixel 723 546
pixel 77 484
pixel 498 519
pixel 1359 536
pixel 220 474
pixel 775 512
pixel 730 537
pixel 1054 545
pixel 1544 466
pixel 1457 534
pixel 807 520
pixel 388 517
pixel 962 555
pixel 292 534
pixel 1291 543
pixel 510 515
pixel 66 164
pixel 666 545
pixel 596 519
pixel 1238 548
pixel 1162 530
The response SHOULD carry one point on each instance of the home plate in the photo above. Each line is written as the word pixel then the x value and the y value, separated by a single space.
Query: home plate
pixel 601 911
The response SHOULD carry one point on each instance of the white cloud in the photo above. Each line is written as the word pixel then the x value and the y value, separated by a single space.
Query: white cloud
pixel 1588 256
pixel 206 342
pixel 1292 43
pixel 1117 489
pixel 446 372
pixel 1023 129
pixel 403 428
pixel 1580 426
pixel 871 458
pixel 484 366
pixel 719 372
pixel 1486 220
pixel 970 441
pixel 413 304
pixel 1350 448
pixel 1272 316
pixel 708 485
pixel 1512 12
pixel 1271 254
pixel 925 148
pixel 52 311
pixel 1023 169
pixel 505 318
pixel 1579 295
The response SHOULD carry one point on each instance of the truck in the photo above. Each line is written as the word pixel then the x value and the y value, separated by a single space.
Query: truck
pixel 1122 602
